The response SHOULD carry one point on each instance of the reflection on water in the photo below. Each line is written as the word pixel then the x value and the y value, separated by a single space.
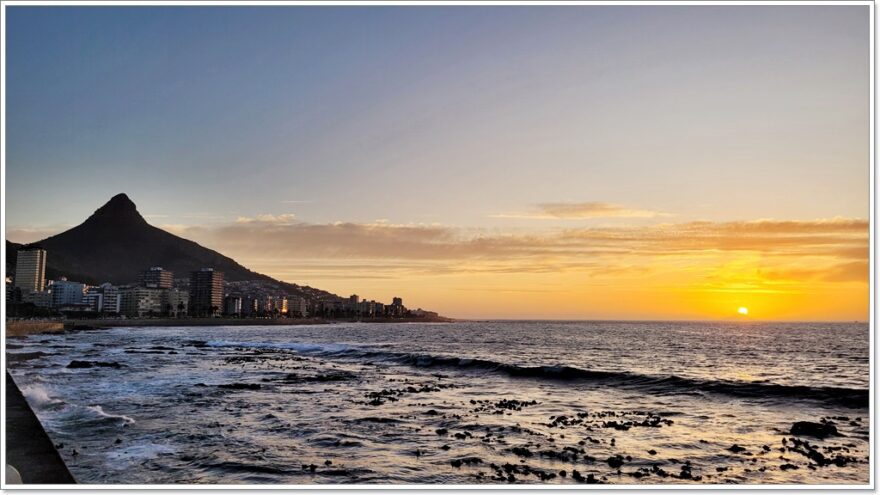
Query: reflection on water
pixel 481 402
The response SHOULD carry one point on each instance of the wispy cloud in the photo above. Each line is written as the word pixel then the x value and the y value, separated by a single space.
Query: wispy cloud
pixel 580 211
pixel 834 250
pixel 284 218
pixel 25 235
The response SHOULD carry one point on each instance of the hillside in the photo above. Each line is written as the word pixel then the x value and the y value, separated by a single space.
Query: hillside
pixel 116 244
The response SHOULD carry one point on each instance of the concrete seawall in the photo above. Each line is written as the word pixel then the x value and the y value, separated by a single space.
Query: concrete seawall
pixel 28 448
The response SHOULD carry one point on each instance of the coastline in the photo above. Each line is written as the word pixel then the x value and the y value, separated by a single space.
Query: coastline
pixel 23 328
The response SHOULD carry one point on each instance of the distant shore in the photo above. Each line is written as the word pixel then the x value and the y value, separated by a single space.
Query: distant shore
pixel 21 328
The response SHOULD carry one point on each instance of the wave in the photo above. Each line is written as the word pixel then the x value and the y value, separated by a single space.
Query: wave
pixel 100 412
pixel 37 396
pixel 672 384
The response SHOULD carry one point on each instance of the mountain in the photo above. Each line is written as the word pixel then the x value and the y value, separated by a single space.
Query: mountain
pixel 116 244
pixel 11 257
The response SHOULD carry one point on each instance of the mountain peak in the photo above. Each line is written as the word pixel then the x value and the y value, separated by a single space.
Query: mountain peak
pixel 120 201
pixel 119 209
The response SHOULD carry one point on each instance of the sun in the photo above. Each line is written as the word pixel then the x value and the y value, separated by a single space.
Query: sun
pixel 743 310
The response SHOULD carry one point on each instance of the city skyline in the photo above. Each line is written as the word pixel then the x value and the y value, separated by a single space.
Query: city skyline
pixel 525 163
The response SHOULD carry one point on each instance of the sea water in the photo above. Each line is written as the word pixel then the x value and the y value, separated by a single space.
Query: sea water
pixel 467 403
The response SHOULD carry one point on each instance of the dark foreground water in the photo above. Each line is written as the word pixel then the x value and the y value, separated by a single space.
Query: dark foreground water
pixel 477 402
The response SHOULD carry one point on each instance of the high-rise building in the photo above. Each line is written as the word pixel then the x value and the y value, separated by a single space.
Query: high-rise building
pixel 396 308
pixel 205 292
pixel 30 269
pixel 157 278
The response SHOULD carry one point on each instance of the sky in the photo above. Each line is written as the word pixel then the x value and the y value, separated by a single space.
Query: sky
pixel 668 162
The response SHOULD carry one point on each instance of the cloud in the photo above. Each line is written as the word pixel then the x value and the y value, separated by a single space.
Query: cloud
pixel 284 218
pixel 27 235
pixel 579 211
pixel 826 246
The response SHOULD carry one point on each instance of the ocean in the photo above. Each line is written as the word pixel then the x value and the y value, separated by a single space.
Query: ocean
pixel 457 403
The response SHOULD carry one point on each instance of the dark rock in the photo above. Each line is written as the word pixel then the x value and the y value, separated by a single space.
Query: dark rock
pixel 466 461
pixel 240 386
pixel 736 449
pixel 818 430
pixel 90 364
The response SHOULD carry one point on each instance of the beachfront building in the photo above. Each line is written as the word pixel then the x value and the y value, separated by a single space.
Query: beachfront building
pixel 112 301
pixel 232 306
pixel 249 306
pixel 175 302
pixel 205 292
pixel 280 307
pixel 10 290
pixel 104 298
pixel 297 307
pixel 94 299
pixel 30 269
pixel 396 308
pixel 138 302
pixel 157 278
pixel 67 293
pixel 40 299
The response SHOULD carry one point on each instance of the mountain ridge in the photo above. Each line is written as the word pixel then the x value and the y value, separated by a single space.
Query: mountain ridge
pixel 115 244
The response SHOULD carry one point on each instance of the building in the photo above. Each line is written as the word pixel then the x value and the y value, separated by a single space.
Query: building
pixel 280 307
pixel 205 292
pixel 140 301
pixel 94 299
pixel 105 298
pixel 112 300
pixel 67 293
pixel 157 278
pixel 249 306
pixel 297 307
pixel 10 291
pixel 30 270
pixel 232 306
pixel 175 302
pixel 40 299
pixel 396 308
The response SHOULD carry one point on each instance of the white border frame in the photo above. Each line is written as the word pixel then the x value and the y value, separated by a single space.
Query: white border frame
pixel 466 487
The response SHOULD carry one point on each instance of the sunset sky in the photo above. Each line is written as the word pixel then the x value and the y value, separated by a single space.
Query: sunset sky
pixel 484 162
